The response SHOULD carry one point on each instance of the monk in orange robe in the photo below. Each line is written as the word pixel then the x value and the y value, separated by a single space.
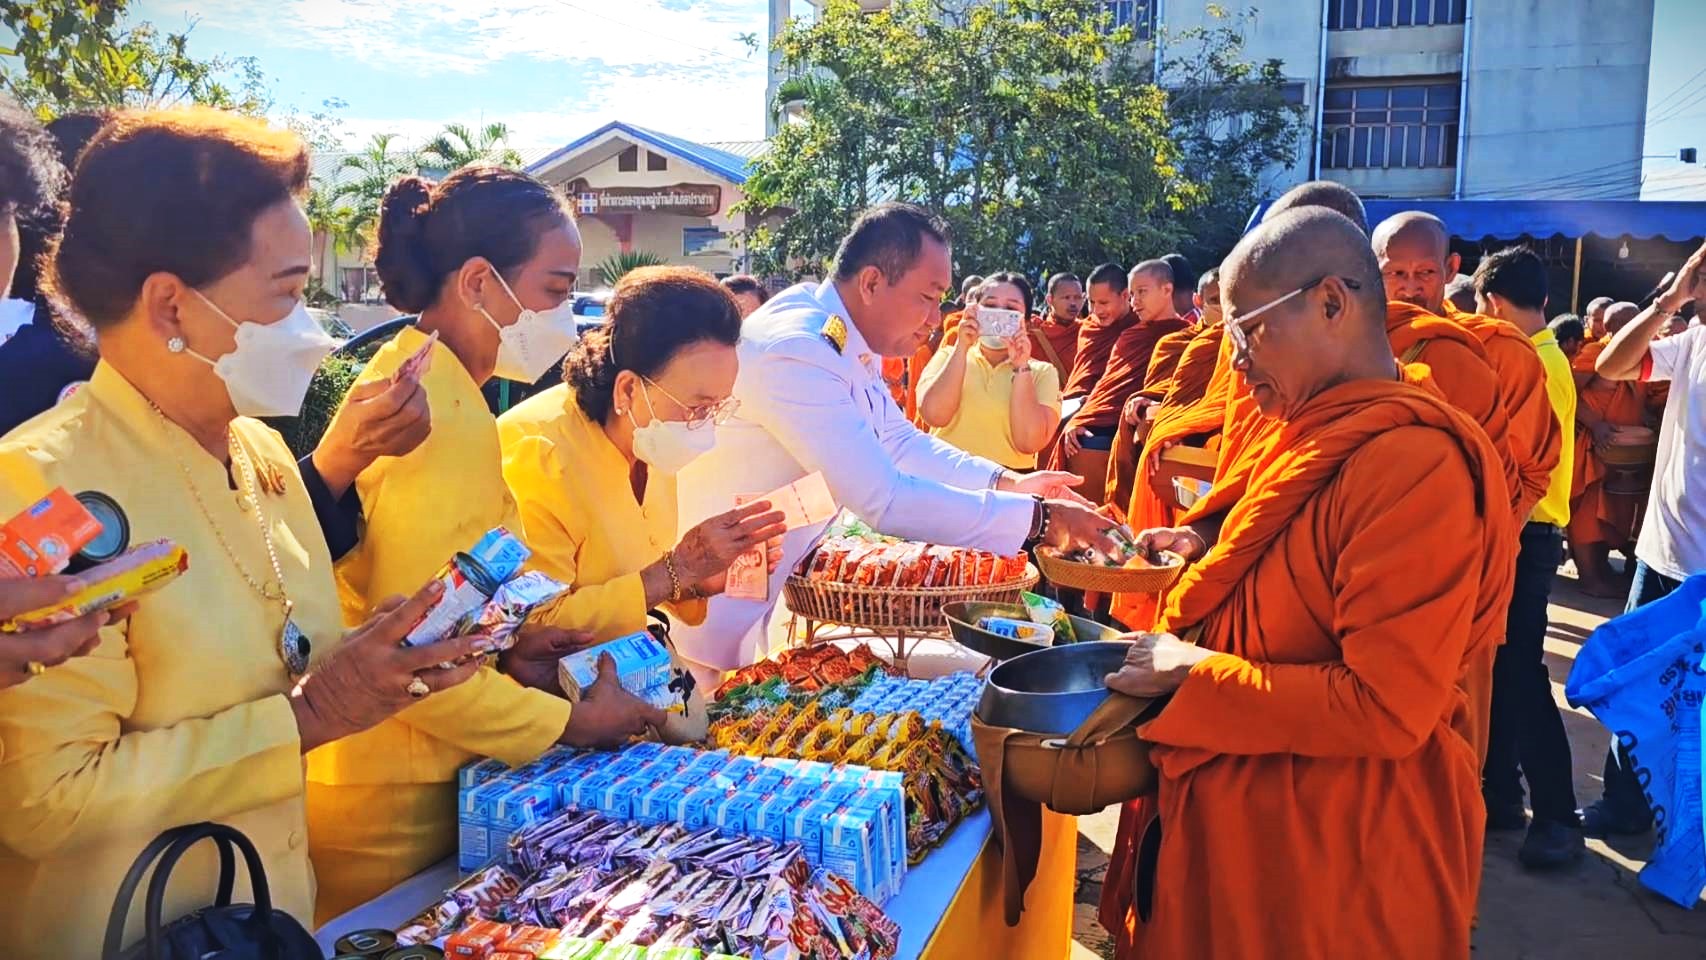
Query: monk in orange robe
pixel 1091 430
pixel 1172 381
pixel 1318 796
pixel 1600 522
pixel 1110 316
pixel 1054 333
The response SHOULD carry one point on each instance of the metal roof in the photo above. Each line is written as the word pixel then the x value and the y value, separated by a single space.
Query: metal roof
pixel 1677 220
pixel 724 163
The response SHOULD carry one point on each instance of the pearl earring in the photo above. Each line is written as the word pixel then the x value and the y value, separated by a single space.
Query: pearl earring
pixel 175 344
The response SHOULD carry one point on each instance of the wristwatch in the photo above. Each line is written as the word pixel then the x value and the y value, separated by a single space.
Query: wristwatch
pixel 1039 522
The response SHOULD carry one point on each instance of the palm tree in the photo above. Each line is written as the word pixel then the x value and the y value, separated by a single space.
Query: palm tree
pixel 615 266
pixel 322 210
pixel 376 167
pixel 458 146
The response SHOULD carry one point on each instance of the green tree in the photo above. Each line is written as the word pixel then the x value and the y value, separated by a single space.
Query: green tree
pixel 459 146
pixel 372 171
pixel 1035 127
pixel 76 55
pixel 618 265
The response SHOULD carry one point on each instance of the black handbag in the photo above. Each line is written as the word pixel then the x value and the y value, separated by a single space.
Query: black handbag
pixel 223 931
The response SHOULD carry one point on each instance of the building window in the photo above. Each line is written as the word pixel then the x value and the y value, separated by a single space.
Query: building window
pixel 1374 127
pixel 695 240
pixel 1139 15
pixel 656 161
pixel 629 161
pixel 1369 14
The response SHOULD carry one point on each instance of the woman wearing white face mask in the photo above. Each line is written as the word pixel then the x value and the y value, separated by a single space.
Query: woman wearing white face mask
pixel 487 258
pixel 185 249
pixel 986 395
pixel 592 463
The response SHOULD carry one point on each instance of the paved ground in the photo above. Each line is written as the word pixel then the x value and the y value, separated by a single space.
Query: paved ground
pixel 1595 912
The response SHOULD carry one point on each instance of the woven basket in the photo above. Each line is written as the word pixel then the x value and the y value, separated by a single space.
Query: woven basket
pixel 909 609
pixel 1099 579
pixel 1628 454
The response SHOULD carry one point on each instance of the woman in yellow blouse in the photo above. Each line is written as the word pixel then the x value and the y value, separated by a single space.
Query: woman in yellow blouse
pixel 985 394
pixel 184 247
pixel 488 258
pixel 592 462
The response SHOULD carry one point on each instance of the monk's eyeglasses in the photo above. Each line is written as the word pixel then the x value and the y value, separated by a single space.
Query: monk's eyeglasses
pixel 1239 328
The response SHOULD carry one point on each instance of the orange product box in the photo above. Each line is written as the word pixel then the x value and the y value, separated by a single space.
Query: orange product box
pixel 477 941
pixel 528 941
pixel 41 540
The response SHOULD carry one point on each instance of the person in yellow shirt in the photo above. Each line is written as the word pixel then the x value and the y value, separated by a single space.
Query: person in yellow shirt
pixel 185 249
pixel 487 258
pixel 592 462
pixel 986 395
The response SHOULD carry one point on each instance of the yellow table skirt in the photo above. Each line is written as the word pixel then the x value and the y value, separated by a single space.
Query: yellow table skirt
pixel 973 922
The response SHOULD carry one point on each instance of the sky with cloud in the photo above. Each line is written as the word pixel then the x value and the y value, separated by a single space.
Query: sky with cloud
pixel 555 69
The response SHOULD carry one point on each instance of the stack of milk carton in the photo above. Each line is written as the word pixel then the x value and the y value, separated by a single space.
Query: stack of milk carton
pixel 947 700
pixel 849 819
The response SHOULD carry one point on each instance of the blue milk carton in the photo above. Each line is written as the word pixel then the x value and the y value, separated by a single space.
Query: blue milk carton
pixel 473 774
pixel 642 665
pixel 658 802
pixel 697 807
pixel 584 793
pixel 806 826
pixel 735 813
pixel 851 839
pixel 770 819
pixel 473 822
pixel 517 810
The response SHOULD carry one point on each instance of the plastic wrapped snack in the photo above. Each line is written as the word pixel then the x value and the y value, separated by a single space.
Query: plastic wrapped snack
pixel 470 579
pixel 138 571
pixel 1051 614
pixel 495 623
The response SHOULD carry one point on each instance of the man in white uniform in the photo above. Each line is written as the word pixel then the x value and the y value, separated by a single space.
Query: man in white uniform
pixel 812 398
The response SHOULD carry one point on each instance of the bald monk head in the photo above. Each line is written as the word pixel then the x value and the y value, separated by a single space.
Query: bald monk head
pixel 1300 343
pixel 1321 193
pixel 1207 297
pixel 1414 250
pixel 1618 315
pixel 1150 287
pixel 1595 316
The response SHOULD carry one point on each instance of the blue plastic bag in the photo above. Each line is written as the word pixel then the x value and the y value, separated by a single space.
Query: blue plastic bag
pixel 1644 676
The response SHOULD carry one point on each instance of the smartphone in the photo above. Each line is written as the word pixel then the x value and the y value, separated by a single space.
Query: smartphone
pixel 995 322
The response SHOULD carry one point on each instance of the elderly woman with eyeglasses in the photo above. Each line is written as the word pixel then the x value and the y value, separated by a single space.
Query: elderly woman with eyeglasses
pixel 592 462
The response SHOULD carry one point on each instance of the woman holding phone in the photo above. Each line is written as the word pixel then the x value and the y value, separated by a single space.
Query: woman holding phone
pixel 987 395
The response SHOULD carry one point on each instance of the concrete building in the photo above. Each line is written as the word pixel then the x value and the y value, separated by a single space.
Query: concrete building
pixel 1439 98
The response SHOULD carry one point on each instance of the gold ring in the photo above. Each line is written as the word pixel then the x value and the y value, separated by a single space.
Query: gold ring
pixel 35 668
pixel 417 688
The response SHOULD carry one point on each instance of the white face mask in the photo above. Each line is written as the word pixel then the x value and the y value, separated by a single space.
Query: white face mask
pixel 535 341
pixel 669 445
pixel 267 375
pixel 993 344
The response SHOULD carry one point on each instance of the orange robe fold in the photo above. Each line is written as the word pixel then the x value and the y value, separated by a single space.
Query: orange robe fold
pixel 1095 348
pixel 1319 796
pixel 1157 384
pixel 1063 337
pixel 1127 367
pixel 1536 438
pixel 1596 517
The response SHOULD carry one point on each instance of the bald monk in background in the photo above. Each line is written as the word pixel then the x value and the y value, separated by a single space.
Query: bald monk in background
pixel 1179 374
pixel 1534 438
pixel 1598 522
pixel 1150 289
pixel 1224 419
pixel 1318 797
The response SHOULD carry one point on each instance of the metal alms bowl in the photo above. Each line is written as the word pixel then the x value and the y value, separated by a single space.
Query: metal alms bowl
pixel 1051 690
pixel 963 618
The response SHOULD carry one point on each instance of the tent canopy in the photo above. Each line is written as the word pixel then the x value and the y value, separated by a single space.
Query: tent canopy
pixel 1675 220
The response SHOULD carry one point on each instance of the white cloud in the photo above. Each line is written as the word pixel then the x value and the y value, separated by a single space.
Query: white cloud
pixel 674 65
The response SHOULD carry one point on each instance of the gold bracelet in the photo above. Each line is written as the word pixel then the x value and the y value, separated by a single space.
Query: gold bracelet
pixel 674 578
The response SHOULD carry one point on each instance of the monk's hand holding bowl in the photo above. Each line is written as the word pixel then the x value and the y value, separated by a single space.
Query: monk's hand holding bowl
pixel 1155 664
pixel 1183 541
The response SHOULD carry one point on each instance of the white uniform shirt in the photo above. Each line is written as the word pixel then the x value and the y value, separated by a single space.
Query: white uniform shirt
pixel 1673 536
pixel 806 406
